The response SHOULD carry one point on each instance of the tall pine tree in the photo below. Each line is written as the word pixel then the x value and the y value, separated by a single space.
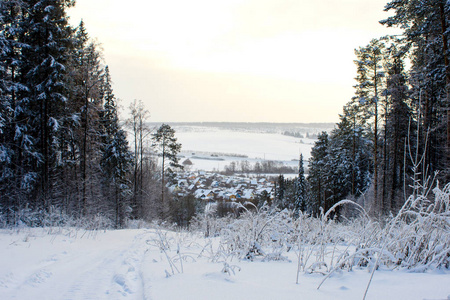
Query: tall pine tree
pixel 117 158
pixel 317 180
pixel 167 147
pixel 369 61
pixel 426 29
pixel 301 201
pixel 47 37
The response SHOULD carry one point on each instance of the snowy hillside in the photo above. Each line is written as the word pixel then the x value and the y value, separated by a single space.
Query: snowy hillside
pixel 132 264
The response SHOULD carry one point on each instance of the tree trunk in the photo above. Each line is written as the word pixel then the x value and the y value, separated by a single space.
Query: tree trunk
pixel 84 158
pixel 117 204
pixel 141 175
pixel 354 157
pixel 136 159
pixel 386 202
pixel 375 144
pixel 163 170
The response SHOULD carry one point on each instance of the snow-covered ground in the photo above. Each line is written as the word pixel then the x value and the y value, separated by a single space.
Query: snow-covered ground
pixel 199 143
pixel 130 264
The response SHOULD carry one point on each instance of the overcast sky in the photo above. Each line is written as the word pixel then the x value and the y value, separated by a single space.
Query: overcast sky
pixel 233 60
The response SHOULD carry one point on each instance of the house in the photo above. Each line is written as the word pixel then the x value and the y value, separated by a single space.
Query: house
pixel 183 183
pixel 204 194
pixel 248 194
pixel 210 186
pixel 215 183
pixel 187 162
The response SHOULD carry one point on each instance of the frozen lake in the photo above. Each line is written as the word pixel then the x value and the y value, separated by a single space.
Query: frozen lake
pixel 211 148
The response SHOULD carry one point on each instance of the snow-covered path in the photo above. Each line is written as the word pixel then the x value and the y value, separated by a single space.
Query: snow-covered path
pixel 104 266
pixel 129 264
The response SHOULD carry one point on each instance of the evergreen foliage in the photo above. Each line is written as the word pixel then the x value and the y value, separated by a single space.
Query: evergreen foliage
pixel 117 158
pixel 317 179
pixel 395 114
pixel 167 147
pixel 61 144
pixel 426 27
pixel 302 199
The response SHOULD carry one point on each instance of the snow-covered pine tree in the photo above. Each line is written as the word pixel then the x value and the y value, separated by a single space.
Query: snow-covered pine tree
pixel 317 181
pixel 396 132
pixel 9 20
pixel 335 173
pixel 117 158
pixel 88 103
pixel 426 27
pixel 349 158
pixel 47 36
pixel 301 187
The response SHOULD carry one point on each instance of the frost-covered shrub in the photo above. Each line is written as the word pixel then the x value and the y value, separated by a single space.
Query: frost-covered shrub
pixel 54 217
pixel 172 244
pixel 137 224
pixel 261 232
pixel 208 223
pixel 419 236
pixel 96 222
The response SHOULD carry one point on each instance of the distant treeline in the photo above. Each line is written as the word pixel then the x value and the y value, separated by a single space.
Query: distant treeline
pixel 248 124
pixel 260 126
pixel 214 154
pixel 264 167
pixel 301 136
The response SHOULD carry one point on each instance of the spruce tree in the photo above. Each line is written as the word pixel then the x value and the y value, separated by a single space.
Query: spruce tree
pixel 117 158
pixel 9 60
pixel 47 36
pixel 349 160
pixel 301 187
pixel 317 181
pixel 87 103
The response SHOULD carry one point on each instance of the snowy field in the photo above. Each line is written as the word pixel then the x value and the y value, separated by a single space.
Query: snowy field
pixel 132 264
pixel 199 143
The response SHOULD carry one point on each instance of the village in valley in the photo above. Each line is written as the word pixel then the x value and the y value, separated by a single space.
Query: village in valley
pixel 211 187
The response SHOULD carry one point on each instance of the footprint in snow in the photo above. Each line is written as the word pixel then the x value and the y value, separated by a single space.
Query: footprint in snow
pixel 39 277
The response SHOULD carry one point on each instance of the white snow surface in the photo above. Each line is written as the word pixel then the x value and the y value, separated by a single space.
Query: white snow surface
pixel 126 264
pixel 255 146
pixel 271 146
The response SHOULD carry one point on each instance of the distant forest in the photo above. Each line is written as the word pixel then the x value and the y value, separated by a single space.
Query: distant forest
pixel 257 126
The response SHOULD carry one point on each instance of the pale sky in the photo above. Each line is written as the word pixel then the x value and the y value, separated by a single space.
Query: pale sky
pixel 233 60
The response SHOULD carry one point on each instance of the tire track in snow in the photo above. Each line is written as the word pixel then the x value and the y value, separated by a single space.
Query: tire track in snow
pixel 119 276
pixel 107 272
